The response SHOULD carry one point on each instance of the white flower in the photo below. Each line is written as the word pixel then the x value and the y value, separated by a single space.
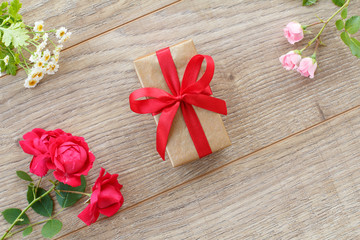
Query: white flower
pixel 39 26
pixel 52 67
pixel 35 56
pixel 36 37
pixel 65 37
pixel 58 48
pixel 41 46
pixel 61 32
pixel 46 56
pixel 45 37
pixel 56 56
pixel 36 74
pixel 31 83
pixel 6 60
pixel 39 64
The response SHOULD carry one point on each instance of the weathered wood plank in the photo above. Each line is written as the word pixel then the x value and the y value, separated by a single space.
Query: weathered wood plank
pixel 305 187
pixel 89 18
pixel 88 97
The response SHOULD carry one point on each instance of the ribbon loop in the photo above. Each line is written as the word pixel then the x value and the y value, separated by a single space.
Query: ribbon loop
pixel 191 92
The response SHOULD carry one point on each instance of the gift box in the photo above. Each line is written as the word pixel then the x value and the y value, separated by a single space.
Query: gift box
pixel 186 113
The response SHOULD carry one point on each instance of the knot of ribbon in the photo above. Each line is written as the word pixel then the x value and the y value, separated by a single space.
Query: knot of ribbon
pixel 191 92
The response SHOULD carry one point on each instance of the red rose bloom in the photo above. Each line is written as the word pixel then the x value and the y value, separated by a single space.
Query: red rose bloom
pixel 106 198
pixel 71 158
pixel 37 143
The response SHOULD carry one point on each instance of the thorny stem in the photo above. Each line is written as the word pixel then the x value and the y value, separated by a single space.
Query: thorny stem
pixel 25 209
pixel 326 23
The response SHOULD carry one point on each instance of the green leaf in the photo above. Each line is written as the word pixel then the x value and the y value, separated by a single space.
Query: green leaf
pixel 339 3
pixel 11 214
pixel 44 206
pixel 27 231
pixel 345 37
pixel 68 199
pixel 16 35
pixel 24 176
pixel 3 7
pixel 11 67
pixel 355 47
pixel 14 8
pixel 339 24
pixel 51 228
pixel 309 2
pixel 352 25
pixel 344 13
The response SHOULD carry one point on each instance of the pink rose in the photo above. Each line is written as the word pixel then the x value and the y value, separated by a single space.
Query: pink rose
pixel 294 32
pixel 307 67
pixel 290 61
pixel 36 143
pixel 106 198
pixel 71 158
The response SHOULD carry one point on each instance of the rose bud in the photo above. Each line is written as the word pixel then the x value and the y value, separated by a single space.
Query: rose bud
pixel 36 143
pixel 294 32
pixel 106 198
pixel 71 158
pixel 307 67
pixel 291 60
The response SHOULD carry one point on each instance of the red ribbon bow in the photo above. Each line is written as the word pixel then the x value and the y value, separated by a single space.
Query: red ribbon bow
pixel 191 92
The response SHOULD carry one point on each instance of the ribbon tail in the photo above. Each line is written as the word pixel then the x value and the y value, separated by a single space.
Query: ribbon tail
pixel 163 129
pixel 207 102
pixel 196 131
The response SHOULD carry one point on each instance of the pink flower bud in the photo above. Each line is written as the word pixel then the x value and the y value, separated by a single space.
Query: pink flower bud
pixel 307 67
pixel 291 60
pixel 294 32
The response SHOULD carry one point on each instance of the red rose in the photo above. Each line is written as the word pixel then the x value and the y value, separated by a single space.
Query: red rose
pixel 36 143
pixel 106 198
pixel 71 158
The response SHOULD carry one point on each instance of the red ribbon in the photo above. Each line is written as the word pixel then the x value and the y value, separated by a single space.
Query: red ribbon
pixel 190 93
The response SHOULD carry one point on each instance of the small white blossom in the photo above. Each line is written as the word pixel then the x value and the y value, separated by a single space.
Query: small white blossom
pixel 35 57
pixel 30 82
pixel 6 60
pixel 56 56
pixel 39 26
pixel 46 56
pixel 52 67
pixel 36 37
pixel 41 46
pixel 45 37
pixel 58 48
pixel 61 32
pixel 65 37
pixel 40 64
pixel 36 74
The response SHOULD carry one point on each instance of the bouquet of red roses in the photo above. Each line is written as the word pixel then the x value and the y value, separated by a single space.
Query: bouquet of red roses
pixel 70 159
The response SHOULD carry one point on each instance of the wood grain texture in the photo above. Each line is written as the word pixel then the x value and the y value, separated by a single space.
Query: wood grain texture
pixel 86 19
pixel 88 96
pixel 306 187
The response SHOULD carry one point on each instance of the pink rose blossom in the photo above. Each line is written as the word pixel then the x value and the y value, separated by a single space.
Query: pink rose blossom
pixel 307 67
pixel 294 32
pixel 291 60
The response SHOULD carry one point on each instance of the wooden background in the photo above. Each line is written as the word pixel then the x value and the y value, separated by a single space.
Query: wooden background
pixel 293 171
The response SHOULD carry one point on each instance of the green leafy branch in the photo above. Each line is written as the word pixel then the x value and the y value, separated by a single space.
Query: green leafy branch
pixel 347 26
pixel 41 202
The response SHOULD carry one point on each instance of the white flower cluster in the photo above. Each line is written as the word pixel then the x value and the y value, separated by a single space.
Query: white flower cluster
pixel 43 61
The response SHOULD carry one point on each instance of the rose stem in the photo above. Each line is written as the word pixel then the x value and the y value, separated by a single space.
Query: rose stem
pixel 326 23
pixel 25 209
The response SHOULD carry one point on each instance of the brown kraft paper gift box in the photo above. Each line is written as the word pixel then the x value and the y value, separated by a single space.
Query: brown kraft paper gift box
pixel 180 147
